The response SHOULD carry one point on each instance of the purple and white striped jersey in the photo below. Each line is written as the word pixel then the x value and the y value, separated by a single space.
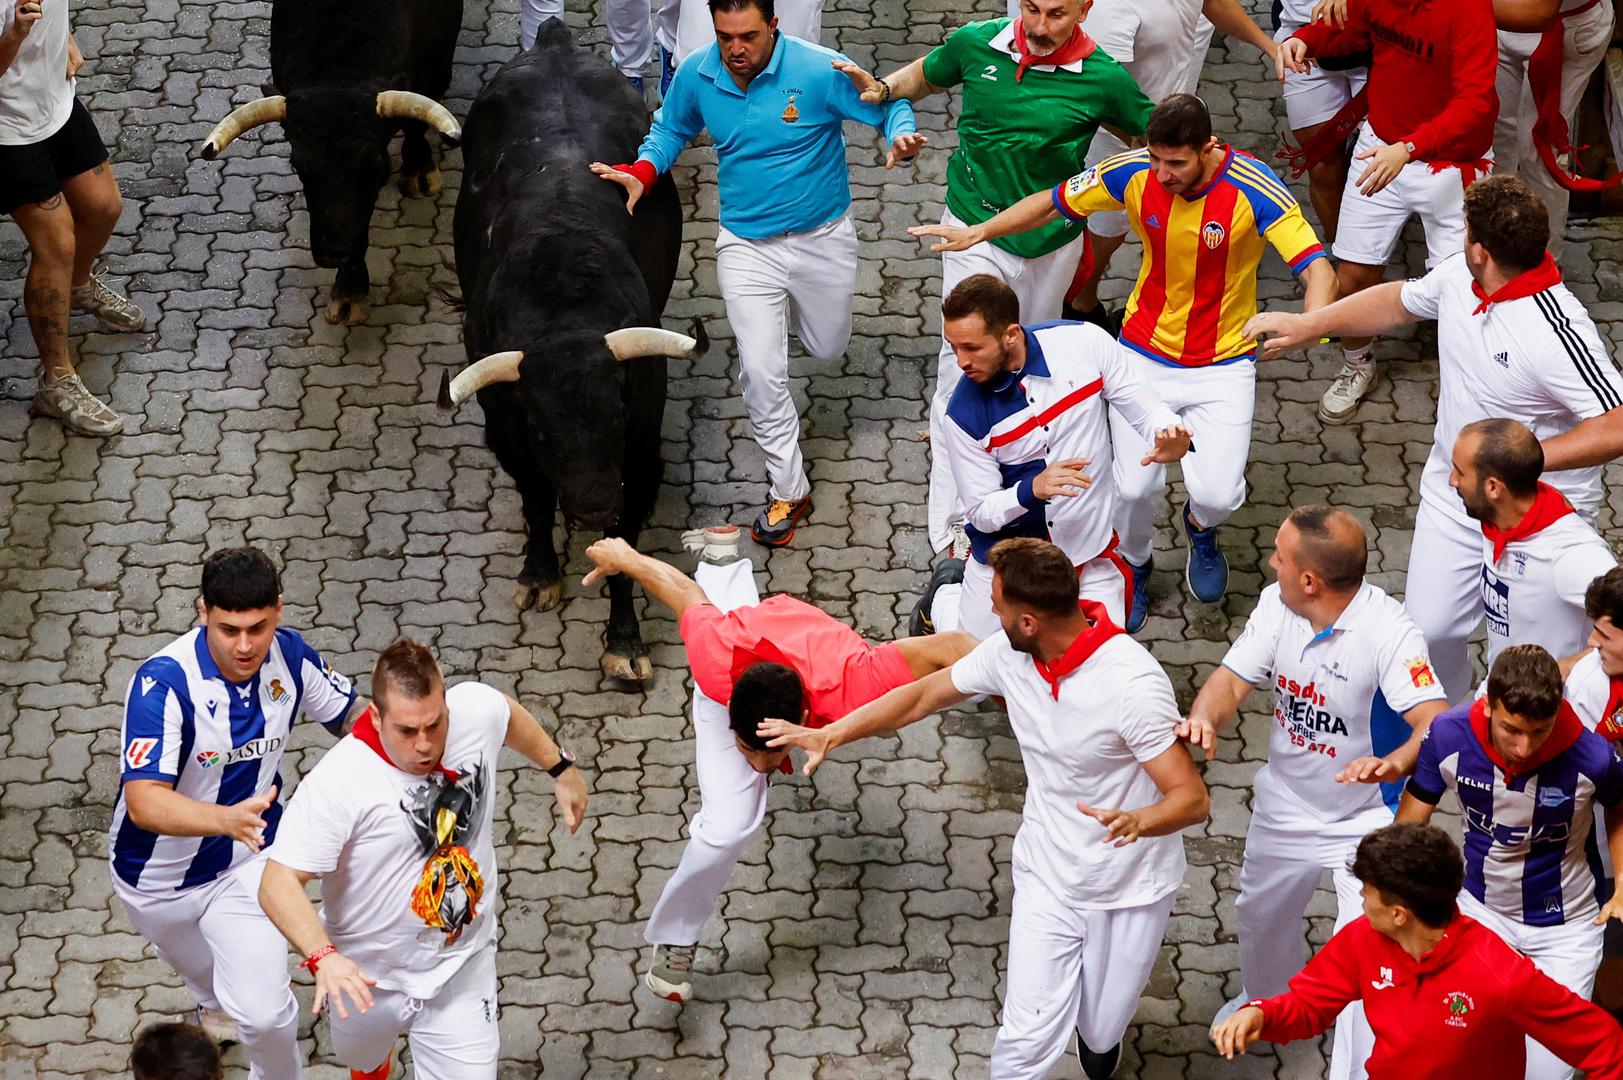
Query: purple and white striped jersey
pixel 1530 850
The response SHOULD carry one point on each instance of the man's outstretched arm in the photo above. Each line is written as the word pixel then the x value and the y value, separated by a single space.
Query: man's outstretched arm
pixel 895 710
pixel 659 580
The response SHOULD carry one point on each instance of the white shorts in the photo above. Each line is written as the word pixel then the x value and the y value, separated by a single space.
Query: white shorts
pixel 1370 224
pixel 1104 580
pixel 453 1036
pixel 1316 95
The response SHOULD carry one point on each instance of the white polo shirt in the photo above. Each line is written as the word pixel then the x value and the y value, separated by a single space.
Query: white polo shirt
pixel 1534 593
pixel 1339 694
pixel 1537 359
pixel 1113 712
pixel 366 828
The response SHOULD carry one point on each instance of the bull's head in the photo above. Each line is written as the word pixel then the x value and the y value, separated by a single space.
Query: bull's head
pixel 340 147
pixel 574 405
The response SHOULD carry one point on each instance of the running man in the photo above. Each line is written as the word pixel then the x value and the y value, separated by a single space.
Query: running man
pixel 1204 212
pixel 751 659
pixel 1098 858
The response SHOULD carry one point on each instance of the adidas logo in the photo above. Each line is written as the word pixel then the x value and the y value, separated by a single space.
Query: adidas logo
pixel 1153 221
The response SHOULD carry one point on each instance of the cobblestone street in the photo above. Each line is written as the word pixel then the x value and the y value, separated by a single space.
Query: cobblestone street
pixel 864 935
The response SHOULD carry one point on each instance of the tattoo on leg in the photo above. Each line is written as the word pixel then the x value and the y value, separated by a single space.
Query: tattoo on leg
pixel 52 203
pixel 47 309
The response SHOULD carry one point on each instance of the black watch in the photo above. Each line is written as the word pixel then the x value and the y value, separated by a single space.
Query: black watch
pixel 566 760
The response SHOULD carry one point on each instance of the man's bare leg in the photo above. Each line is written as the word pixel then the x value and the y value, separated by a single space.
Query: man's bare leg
pixel 1357 373
pixel 49 228
pixel 93 198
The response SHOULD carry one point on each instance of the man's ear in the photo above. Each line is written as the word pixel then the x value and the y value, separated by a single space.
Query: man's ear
pixel 805 717
pixel 202 610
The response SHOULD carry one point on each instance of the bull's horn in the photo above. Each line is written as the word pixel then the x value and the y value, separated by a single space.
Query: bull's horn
pixel 496 368
pixel 405 105
pixel 263 110
pixel 654 341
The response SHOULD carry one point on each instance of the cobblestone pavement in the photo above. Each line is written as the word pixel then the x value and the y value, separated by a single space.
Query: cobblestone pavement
pixel 864 933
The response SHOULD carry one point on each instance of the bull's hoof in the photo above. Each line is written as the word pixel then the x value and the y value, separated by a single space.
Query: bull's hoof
pixel 529 593
pixel 627 668
pixel 416 185
pixel 348 310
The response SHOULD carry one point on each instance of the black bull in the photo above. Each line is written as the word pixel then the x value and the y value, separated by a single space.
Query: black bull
pixel 550 263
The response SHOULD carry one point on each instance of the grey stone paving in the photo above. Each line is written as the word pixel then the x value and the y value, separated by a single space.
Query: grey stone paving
pixel 864 932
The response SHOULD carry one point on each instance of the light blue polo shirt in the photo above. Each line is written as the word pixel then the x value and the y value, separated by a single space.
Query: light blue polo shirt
pixel 780 152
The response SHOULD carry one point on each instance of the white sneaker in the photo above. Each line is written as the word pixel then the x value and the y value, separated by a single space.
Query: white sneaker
pixel 717 544
pixel 1230 1007
pixel 67 400
pixel 116 313
pixel 217 1025
pixel 670 976
pixel 1346 391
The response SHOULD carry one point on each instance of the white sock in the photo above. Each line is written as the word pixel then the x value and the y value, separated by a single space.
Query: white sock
pixel 1359 358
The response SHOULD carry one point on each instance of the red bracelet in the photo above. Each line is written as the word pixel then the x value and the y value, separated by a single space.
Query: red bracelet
pixel 317 957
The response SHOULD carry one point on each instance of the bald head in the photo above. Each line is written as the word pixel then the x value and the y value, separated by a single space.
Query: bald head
pixel 1506 451
pixel 1331 545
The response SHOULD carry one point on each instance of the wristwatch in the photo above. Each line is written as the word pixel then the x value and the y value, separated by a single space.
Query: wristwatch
pixel 1409 146
pixel 566 760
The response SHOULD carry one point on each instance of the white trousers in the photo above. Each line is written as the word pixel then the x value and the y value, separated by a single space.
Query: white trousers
pixel 1585 39
pixel 453 1036
pixel 685 25
pixel 1216 404
pixel 1370 224
pixel 1071 971
pixel 1281 871
pixel 631 33
pixel 1442 591
pixel 231 957
pixel 1100 580
pixel 807 278
pixel 1570 954
pixel 1039 284
pixel 732 795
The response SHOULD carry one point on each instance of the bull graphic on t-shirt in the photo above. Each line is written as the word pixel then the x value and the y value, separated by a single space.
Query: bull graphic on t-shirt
pixel 445 815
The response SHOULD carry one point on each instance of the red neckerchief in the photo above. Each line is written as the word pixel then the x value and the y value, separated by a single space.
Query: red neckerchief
pixel 1079 47
pixel 1566 732
pixel 1611 726
pixel 366 730
pixel 1549 506
pixel 1545 275
pixel 1086 644
pixel 766 652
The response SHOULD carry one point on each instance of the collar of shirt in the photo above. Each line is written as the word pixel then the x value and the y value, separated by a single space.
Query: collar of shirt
pixel 1036 364
pixel 711 67
pixel 1068 57
pixel 1344 621
pixel 1546 275
pixel 366 730
pixel 1086 644
pixel 1222 171
pixel 1549 506
pixel 1567 730
pixel 207 666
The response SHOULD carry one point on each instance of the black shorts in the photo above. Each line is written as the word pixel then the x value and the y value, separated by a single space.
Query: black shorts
pixel 33 173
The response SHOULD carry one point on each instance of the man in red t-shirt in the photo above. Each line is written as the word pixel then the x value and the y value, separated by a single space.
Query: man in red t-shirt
pixel 752 659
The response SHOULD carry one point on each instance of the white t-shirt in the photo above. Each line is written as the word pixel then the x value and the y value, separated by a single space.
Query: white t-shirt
pixel 1113 712
pixel 1339 694
pixel 36 94
pixel 366 828
pixel 1589 692
pixel 1534 594
pixel 1537 359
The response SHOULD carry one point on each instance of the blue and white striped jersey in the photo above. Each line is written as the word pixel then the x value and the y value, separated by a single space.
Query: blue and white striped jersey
pixel 1530 850
pixel 216 742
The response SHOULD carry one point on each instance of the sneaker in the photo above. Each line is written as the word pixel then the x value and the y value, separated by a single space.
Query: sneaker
pixel 636 83
pixel 1207 571
pixel 1141 597
pixel 775 526
pixel 947 572
pixel 667 71
pixel 1096 1066
pixel 1346 391
pixel 67 400
pixel 379 1073
pixel 1230 1007
pixel 716 544
pixel 217 1025
pixel 671 976
pixel 117 314
pixel 958 546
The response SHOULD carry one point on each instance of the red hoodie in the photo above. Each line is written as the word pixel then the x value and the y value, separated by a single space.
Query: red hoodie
pixel 1431 73
pixel 1461 1011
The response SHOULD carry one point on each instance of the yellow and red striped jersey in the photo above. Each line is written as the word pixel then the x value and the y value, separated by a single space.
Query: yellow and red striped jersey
pixel 1197 285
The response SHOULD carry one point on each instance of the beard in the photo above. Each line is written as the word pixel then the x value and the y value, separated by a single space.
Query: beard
pixel 1022 643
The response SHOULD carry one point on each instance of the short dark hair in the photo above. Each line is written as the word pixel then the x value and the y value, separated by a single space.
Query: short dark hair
pixel 986 296
pixel 174 1052
pixel 1604 597
pixel 1340 565
pixel 1036 574
pixel 765 7
pixel 240 579
pixel 407 668
pixel 1417 866
pixel 764 689
pixel 1180 120
pixel 1505 216
pixel 1508 452
pixel 1526 681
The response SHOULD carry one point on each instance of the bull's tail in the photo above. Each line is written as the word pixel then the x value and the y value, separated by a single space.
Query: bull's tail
pixel 451 297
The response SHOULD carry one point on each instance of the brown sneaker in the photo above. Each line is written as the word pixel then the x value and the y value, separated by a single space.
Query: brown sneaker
pixel 775 526
pixel 67 400
pixel 117 314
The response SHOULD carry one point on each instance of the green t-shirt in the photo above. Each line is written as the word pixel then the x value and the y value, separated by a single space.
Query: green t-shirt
pixel 1015 138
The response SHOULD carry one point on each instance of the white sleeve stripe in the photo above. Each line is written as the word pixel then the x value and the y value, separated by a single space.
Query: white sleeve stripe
pixel 1589 368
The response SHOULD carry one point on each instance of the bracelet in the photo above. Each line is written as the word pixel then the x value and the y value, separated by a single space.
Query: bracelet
pixel 315 958
pixel 884 91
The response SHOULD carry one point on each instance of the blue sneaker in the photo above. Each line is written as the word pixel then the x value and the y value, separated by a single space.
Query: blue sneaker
pixel 636 83
pixel 1208 571
pixel 1141 597
pixel 667 71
